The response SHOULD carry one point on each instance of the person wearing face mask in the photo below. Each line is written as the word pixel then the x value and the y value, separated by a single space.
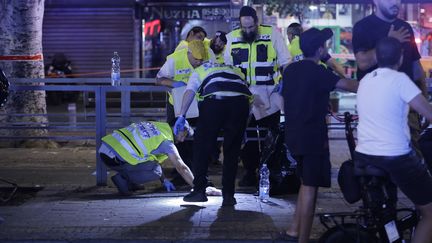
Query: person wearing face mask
pixel 196 33
pixel 261 53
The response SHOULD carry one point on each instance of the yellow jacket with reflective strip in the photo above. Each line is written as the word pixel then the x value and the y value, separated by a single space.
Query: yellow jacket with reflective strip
pixel 294 49
pixel 182 68
pixel 257 60
pixel 136 142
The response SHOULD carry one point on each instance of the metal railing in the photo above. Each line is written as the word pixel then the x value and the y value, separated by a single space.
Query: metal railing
pixel 100 87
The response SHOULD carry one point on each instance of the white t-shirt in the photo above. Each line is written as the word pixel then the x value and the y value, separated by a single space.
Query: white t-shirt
pixel 382 103
pixel 167 70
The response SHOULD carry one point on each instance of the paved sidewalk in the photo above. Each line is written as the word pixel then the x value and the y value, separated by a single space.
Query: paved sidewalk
pixel 70 208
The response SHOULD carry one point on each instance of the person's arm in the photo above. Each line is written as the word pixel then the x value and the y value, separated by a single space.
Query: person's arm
pixel 180 166
pixel 166 74
pixel 283 55
pixel 419 77
pixel 333 64
pixel 188 97
pixel 365 59
pixel 347 84
pixel 365 54
pixel 164 81
pixel 422 106
pixel 227 51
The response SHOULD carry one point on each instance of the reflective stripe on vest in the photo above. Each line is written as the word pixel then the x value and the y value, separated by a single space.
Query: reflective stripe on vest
pixel 182 68
pixel 220 77
pixel 135 143
pixel 257 60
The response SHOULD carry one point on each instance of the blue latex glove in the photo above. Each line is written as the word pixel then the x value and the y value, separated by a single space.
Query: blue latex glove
pixel 168 185
pixel 277 88
pixel 179 125
pixel 177 84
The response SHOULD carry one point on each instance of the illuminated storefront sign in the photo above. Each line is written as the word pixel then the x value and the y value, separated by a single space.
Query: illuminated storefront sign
pixel 187 13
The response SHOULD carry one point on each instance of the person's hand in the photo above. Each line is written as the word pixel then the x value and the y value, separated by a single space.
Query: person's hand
pixel 179 125
pixel 277 88
pixel 168 185
pixel 177 84
pixel 402 34
pixel 257 101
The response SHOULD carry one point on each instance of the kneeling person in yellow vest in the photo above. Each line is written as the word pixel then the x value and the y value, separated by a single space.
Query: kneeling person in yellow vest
pixel 137 151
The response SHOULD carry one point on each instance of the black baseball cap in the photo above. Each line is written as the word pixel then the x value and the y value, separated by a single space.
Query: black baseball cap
pixel 312 39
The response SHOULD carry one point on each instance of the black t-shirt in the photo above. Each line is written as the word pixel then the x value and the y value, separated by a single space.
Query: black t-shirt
pixel 368 31
pixel 306 87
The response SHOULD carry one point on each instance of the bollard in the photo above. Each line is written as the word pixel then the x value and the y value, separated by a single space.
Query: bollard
pixel 72 114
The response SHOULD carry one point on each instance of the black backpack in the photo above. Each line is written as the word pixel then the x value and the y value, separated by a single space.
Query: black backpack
pixel 283 176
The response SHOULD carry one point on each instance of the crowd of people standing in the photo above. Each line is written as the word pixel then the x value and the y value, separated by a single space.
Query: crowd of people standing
pixel 248 76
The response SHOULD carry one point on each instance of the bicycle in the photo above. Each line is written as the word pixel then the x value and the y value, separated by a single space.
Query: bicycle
pixel 377 219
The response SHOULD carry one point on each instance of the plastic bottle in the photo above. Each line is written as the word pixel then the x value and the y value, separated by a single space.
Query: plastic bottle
pixel 264 183
pixel 115 70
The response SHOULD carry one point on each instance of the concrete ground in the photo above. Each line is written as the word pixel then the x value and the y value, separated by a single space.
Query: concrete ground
pixel 58 201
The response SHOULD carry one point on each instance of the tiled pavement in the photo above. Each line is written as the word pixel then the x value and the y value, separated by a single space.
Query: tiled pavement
pixel 70 208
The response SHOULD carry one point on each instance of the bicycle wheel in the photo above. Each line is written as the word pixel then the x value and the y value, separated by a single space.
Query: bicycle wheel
pixel 347 233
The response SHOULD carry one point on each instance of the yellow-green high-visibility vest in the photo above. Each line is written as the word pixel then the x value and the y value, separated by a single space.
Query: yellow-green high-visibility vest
pixel 220 58
pixel 218 77
pixel 182 68
pixel 257 60
pixel 136 142
pixel 294 49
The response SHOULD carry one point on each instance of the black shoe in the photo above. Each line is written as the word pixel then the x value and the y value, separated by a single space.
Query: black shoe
pixel 248 181
pixel 229 201
pixel 195 196
pixel 121 184
pixel 135 187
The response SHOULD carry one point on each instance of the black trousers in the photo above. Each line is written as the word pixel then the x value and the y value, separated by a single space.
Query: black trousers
pixel 250 154
pixel 230 116
pixel 135 174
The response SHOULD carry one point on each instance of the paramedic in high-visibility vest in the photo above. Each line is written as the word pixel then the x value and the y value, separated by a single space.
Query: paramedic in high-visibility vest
pixel 137 151
pixel 260 52
pixel 293 32
pixel 224 106
pixel 177 69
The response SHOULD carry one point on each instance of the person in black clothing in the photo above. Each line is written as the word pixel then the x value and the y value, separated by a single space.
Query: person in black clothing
pixel 382 23
pixel 224 106
pixel 306 89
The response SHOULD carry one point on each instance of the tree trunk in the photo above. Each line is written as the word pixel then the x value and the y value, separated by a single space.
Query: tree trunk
pixel 21 57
